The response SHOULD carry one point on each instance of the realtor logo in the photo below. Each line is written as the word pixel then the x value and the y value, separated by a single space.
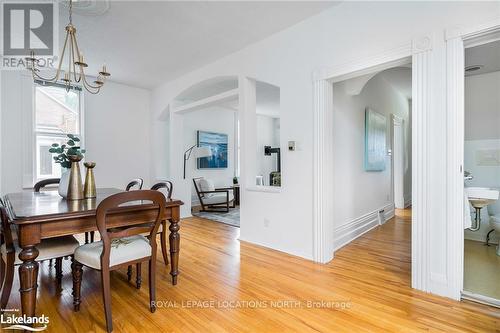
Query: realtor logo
pixel 28 27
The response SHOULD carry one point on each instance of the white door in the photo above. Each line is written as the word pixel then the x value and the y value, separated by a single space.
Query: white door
pixel 398 163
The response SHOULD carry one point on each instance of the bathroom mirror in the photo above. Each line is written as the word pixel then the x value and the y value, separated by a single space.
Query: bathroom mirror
pixel 268 159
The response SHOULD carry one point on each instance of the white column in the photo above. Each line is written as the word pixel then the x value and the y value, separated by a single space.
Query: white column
pixel 455 77
pixel 323 172
pixel 421 74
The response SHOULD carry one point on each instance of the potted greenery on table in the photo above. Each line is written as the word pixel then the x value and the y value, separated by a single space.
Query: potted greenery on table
pixel 62 156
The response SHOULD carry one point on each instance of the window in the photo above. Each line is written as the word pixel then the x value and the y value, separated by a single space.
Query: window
pixel 57 113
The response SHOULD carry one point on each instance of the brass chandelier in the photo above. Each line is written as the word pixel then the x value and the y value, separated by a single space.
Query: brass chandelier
pixel 76 63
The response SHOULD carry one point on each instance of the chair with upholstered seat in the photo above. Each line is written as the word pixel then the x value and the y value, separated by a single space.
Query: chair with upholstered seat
pixel 165 187
pixel 120 248
pixel 53 248
pixel 213 199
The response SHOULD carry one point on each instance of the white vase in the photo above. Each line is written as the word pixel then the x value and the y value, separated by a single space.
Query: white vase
pixel 63 184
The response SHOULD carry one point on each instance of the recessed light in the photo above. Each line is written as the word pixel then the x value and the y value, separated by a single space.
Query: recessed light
pixel 473 68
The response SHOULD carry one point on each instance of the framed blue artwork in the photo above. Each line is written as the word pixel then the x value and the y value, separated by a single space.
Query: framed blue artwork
pixel 375 140
pixel 217 143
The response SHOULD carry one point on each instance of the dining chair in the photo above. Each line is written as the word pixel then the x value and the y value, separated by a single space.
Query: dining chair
pixel 120 248
pixel 165 187
pixel 133 183
pixel 53 248
pixel 41 184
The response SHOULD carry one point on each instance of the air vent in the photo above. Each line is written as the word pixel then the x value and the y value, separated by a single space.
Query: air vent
pixel 473 68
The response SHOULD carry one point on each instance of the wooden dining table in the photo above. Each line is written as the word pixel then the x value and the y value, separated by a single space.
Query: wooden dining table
pixel 46 215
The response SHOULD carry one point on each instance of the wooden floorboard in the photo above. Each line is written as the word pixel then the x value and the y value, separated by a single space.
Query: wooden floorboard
pixel 367 285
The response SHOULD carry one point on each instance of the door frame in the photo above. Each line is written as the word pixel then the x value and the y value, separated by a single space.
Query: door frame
pixel 397 121
pixel 456 42
pixel 419 52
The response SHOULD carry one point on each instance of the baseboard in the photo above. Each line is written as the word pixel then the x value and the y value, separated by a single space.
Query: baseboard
pixel 470 296
pixel 348 232
pixel 481 237
pixel 389 212
pixel 407 201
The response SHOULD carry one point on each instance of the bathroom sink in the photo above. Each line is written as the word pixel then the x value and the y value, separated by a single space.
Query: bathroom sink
pixel 480 197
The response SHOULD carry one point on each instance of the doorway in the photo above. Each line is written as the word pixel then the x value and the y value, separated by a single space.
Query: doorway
pixel 398 153
pixel 482 171
pixel 372 150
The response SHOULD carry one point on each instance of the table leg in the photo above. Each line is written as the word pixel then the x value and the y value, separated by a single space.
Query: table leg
pixel 163 238
pixel 174 248
pixel 28 277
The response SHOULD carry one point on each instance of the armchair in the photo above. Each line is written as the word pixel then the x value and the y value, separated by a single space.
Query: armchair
pixel 213 199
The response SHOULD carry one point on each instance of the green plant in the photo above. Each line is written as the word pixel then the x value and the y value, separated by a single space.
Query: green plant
pixel 71 148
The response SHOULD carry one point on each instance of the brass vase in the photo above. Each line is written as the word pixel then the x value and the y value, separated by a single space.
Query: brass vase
pixel 89 190
pixel 75 186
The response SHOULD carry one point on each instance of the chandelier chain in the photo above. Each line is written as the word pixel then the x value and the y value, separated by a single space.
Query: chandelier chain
pixel 70 11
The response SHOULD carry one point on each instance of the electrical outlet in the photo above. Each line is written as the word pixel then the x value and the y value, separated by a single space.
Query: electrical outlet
pixel 267 222
pixel 388 197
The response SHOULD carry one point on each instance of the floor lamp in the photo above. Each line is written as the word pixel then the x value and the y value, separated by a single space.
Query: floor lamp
pixel 198 152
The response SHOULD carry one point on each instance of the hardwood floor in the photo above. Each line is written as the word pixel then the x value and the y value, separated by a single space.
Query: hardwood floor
pixel 364 289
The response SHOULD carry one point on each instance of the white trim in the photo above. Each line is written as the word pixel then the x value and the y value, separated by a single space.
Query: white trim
pixel 323 233
pixel 472 32
pixel 209 101
pixel 323 224
pixel 357 227
pixel 455 78
pixel 398 56
pixel 396 121
pixel 480 299
pixel 421 89
pixel 267 189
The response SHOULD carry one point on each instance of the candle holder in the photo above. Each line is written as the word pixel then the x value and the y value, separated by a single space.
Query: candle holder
pixel 75 187
pixel 89 190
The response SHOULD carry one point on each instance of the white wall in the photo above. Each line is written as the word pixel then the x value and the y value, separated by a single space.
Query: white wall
pixel 358 193
pixel 117 134
pixel 287 59
pixel 213 119
pixel 117 126
pixel 482 134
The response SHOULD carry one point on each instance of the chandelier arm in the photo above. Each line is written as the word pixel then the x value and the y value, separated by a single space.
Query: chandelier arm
pixel 91 89
pixel 73 43
pixel 88 84
pixel 58 72
pixel 70 58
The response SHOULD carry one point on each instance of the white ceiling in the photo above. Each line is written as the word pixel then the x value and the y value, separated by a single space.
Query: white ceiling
pixel 486 55
pixel 145 43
